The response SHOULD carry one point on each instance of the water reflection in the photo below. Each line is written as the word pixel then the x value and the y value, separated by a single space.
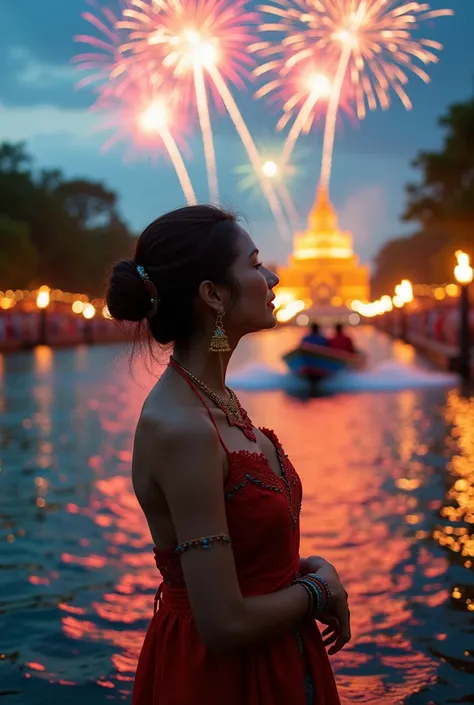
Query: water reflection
pixel 389 498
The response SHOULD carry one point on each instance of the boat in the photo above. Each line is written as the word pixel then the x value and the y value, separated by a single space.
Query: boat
pixel 317 362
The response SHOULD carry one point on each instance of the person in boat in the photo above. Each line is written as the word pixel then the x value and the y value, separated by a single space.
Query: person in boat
pixel 315 337
pixel 235 614
pixel 341 341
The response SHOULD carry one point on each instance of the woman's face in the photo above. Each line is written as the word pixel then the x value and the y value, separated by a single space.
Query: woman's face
pixel 253 310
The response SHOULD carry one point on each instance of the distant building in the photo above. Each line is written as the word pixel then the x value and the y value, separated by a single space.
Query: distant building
pixel 323 270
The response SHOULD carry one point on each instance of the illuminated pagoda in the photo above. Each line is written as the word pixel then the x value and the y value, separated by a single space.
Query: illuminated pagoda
pixel 323 269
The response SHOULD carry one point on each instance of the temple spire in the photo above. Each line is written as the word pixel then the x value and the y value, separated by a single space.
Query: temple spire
pixel 322 217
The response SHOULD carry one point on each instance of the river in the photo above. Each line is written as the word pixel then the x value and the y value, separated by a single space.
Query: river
pixel 386 459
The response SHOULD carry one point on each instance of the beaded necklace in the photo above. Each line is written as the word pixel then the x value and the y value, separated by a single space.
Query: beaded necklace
pixel 235 414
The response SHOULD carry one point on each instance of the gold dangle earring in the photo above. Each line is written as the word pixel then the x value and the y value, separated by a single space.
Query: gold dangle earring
pixel 219 340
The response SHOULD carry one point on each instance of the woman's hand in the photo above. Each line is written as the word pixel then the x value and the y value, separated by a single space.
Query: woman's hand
pixel 337 618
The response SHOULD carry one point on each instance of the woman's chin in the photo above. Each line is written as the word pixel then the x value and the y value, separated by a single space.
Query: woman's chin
pixel 271 320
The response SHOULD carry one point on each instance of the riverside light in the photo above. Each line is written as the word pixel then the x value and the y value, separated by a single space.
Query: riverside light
pixel 88 311
pixel 463 271
pixel 43 297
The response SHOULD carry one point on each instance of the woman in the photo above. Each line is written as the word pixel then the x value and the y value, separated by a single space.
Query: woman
pixel 235 619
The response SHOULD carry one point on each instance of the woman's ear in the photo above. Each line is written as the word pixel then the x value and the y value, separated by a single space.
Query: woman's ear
pixel 211 295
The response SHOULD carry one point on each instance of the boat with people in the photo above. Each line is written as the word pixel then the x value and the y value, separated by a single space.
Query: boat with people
pixel 317 362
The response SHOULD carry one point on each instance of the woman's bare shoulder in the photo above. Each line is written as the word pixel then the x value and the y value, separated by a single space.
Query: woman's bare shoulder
pixel 169 427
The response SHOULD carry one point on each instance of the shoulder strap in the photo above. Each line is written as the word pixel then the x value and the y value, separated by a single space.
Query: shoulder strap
pixel 203 402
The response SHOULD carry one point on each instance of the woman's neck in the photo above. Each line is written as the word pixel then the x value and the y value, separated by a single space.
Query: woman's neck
pixel 208 367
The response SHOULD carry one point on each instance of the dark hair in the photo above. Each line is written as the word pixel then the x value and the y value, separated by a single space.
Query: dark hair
pixel 178 251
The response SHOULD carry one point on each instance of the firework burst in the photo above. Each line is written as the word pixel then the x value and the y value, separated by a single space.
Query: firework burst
pixel 279 173
pixel 189 41
pixel 371 43
pixel 104 64
pixel 144 112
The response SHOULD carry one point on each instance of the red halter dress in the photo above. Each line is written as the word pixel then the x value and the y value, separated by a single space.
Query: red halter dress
pixel 175 666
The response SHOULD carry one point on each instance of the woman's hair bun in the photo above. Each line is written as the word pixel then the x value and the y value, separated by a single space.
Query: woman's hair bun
pixel 127 297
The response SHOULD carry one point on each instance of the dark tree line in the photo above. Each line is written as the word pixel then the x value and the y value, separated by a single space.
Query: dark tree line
pixel 441 204
pixel 55 231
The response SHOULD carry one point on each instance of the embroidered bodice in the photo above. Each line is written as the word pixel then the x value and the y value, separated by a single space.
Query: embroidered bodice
pixel 263 511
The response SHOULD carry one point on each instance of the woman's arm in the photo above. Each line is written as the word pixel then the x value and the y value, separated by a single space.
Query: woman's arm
pixel 190 467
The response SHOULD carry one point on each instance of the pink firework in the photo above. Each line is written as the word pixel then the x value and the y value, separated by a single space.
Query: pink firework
pixel 144 113
pixel 187 42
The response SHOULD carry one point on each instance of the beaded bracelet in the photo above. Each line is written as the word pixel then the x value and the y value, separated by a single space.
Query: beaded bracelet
pixel 327 589
pixel 205 542
pixel 309 591
pixel 316 591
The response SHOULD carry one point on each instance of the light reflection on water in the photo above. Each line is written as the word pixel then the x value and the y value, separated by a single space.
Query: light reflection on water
pixel 389 498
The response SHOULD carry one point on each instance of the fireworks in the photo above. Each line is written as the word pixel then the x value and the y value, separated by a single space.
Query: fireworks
pixel 151 58
pixel 369 42
pixel 146 112
pixel 279 173
pixel 190 41
pixel 183 45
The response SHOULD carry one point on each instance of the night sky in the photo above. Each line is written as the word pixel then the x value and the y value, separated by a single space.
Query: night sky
pixel 40 105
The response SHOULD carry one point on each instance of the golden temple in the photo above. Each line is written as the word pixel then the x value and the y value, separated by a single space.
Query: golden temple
pixel 323 270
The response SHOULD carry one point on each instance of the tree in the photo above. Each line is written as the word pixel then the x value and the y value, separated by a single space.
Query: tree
pixel 442 204
pixel 446 191
pixel 90 203
pixel 14 158
pixel 73 226
pixel 18 255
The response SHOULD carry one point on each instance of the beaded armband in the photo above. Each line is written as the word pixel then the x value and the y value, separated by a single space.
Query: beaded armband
pixel 205 542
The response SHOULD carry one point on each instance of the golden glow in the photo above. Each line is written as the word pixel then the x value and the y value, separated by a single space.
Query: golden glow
pixel 77 307
pixel 88 311
pixel 198 50
pixel 153 119
pixel 320 85
pixel 387 303
pixel 106 312
pixel 398 302
pixel 285 314
pixel 269 169
pixel 323 239
pixel 404 291
pixel 463 271
pixel 439 293
pixel 6 303
pixel 452 290
pixel 43 297
pixel 369 310
pixel 283 297
pixel 347 37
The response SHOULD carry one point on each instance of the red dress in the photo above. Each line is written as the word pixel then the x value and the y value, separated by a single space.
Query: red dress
pixel 176 668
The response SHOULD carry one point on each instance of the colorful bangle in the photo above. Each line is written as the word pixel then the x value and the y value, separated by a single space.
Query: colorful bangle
pixel 319 594
pixel 309 592
pixel 316 591
pixel 205 542
pixel 327 589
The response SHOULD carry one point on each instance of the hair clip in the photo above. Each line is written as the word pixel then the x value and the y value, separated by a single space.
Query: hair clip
pixel 151 290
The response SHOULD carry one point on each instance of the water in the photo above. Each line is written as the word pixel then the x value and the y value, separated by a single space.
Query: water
pixel 387 463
